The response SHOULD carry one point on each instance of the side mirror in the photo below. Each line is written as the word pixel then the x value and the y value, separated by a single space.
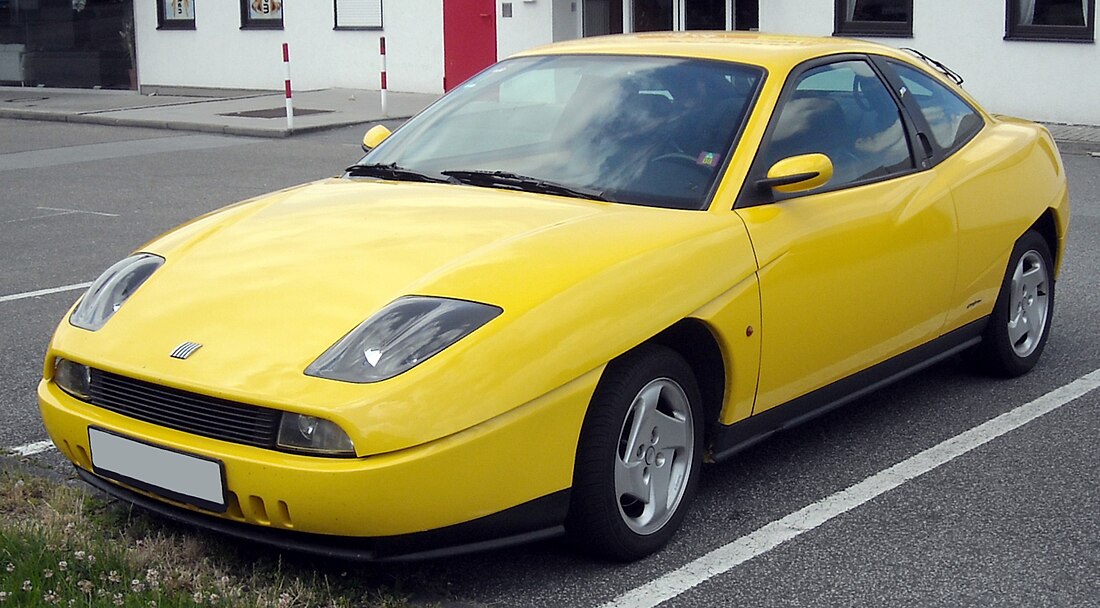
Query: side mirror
pixel 374 136
pixel 798 174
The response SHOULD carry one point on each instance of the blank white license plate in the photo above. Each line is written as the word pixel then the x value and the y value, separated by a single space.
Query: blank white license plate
pixel 183 477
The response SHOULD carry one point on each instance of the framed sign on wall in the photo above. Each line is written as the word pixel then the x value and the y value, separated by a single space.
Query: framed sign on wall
pixel 176 14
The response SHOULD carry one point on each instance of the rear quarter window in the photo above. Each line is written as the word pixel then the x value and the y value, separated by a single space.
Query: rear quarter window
pixel 952 121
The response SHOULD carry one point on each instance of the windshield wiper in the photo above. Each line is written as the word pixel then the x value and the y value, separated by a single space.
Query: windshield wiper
pixel 513 181
pixel 394 172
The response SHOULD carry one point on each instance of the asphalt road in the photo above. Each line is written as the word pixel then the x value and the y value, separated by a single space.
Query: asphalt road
pixel 1012 522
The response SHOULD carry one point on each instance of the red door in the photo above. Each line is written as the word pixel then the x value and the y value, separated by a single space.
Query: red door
pixel 469 39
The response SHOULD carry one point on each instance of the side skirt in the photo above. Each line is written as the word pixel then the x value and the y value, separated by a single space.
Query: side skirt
pixel 728 440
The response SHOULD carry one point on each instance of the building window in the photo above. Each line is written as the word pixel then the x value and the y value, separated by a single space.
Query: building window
pixel 1071 20
pixel 175 14
pixel 357 14
pixel 262 14
pixel 874 18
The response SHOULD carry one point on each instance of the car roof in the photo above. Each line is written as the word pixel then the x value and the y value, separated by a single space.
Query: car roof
pixel 767 50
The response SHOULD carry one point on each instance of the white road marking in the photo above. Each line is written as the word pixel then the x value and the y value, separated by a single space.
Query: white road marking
pixel 33 448
pixel 43 292
pixel 57 212
pixel 41 216
pixel 78 211
pixel 724 559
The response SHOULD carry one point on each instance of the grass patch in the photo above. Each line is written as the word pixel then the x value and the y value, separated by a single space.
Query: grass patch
pixel 62 546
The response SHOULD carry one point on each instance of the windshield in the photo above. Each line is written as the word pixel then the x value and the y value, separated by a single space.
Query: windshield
pixel 650 131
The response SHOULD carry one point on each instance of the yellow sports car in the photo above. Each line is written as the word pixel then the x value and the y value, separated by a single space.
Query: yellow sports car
pixel 541 304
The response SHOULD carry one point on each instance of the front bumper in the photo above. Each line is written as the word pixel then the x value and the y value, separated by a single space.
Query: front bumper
pixel 536 520
pixel 522 459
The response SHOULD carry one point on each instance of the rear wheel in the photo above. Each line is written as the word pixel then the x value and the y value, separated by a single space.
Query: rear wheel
pixel 1020 324
pixel 638 457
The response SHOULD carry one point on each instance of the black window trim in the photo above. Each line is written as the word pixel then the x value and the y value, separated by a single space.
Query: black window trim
pixel 923 129
pixel 878 29
pixel 247 23
pixel 1014 30
pixel 172 24
pixel 752 196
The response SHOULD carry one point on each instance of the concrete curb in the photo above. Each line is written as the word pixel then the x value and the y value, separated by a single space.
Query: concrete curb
pixel 99 118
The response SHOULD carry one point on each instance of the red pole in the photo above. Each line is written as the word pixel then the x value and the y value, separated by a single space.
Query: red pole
pixel 382 52
pixel 286 85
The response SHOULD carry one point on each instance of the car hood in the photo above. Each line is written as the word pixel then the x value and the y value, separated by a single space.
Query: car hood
pixel 268 285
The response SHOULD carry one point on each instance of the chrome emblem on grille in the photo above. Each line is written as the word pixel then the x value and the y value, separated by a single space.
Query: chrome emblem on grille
pixel 185 350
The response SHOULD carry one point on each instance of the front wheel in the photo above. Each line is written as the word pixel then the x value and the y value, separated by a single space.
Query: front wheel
pixel 1021 319
pixel 638 457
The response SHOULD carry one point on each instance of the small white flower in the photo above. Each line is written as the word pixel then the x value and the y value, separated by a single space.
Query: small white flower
pixel 10 567
pixel 79 555
pixel 27 586
pixel 62 565
pixel 47 573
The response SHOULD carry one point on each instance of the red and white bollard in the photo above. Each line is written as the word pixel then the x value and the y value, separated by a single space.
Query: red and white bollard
pixel 382 50
pixel 286 83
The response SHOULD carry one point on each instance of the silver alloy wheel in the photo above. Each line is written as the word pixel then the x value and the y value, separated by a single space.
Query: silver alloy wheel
pixel 1029 303
pixel 653 461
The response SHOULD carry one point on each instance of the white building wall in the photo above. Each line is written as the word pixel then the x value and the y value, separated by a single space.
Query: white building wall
pixel 531 24
pixel 218 54
pixel 1049 81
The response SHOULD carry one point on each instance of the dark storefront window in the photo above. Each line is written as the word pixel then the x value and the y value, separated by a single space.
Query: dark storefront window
pixel 652 15
pixel 705 15
pixel 602 17
pixel 67 43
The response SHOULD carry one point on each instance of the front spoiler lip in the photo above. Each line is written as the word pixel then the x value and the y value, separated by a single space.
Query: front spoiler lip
pixel 539 519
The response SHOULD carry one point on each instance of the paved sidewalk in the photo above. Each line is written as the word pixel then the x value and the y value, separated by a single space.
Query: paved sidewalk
pixel 262 113
pixel 259 113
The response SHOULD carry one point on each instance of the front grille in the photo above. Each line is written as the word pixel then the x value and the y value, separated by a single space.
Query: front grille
pixel 184 411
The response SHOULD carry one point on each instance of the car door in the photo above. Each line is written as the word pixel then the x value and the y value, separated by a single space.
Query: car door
pixel 862 268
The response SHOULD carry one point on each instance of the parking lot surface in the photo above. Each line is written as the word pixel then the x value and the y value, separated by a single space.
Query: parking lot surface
pixel 1011 521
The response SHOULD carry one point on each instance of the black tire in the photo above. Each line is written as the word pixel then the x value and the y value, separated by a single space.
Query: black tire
pixel 1015 337
pixel 603 518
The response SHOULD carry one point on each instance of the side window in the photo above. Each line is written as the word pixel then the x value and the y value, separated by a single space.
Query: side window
pixel 952 121
pixel 844 111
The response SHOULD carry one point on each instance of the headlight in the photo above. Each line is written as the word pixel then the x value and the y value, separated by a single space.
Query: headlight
pixel 73 378
pixel 112 289
pixel 309 435
pixel 399 337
